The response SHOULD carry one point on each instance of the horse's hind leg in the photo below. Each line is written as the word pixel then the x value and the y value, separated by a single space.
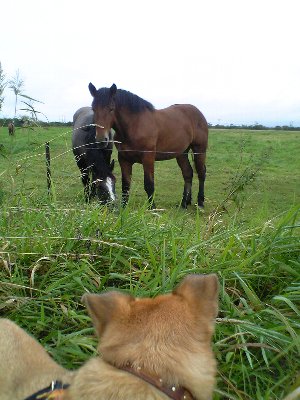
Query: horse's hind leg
pixel 199 160
pixel 187 173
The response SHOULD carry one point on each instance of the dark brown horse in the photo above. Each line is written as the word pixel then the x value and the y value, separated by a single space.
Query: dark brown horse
pixel 11 128
pixel 145 135
pixel 92 159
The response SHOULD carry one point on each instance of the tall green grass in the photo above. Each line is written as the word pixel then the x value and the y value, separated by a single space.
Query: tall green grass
pixel 52 250
pixel 50 257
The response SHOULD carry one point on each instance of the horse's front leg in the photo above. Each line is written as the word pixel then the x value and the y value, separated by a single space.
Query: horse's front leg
pixel 85 178
pixel 187 173
pixel 148 166
pixel 126 169
pixel 199 160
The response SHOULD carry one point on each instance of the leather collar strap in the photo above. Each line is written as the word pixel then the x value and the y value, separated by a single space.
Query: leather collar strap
pixel 174 392
pixel 53 392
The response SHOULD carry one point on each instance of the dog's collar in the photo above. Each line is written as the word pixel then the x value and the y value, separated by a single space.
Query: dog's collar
pixel 56 389
pixel 174 392
pixel 52 392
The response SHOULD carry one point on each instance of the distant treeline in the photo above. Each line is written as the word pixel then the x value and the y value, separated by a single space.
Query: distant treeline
pixel 26 122
pixel 22 122
pixel 258 127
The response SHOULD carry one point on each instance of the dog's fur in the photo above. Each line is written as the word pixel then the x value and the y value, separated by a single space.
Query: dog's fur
pixel 167 337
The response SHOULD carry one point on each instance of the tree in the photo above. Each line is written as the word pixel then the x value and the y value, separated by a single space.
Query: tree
pixel 2 85
pixel 16 84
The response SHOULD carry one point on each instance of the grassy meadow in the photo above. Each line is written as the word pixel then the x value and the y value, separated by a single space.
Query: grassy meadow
pixel 55 248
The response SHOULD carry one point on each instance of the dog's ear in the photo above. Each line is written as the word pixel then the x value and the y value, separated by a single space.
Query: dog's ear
pixel 201 291
pixel 102 308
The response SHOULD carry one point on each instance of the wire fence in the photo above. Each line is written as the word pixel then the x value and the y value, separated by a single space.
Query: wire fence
pixel 25 174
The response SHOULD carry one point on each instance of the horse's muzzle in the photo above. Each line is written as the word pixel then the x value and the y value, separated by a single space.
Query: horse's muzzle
pixel 102 144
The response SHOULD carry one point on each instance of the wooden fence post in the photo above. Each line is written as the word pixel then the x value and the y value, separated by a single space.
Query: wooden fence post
pixel 47 148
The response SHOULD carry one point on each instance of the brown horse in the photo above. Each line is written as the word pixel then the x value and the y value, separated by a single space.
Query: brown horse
pixel 145 135
pixel 11 128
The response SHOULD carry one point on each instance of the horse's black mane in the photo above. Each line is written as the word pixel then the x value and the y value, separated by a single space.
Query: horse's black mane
pixel 124 98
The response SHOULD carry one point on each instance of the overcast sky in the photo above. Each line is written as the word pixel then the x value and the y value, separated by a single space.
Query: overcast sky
pixel 238 61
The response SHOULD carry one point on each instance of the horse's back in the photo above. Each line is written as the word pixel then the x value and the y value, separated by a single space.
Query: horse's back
pixel 83 117
pixel 200 125
pixel 185 111
pixel 82 120
pixel 183 123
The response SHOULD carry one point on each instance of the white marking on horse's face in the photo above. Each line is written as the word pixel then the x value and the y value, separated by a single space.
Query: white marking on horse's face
pixel 109 183
pixel 103 137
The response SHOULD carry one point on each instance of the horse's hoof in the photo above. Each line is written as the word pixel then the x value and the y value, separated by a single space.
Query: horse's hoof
pixel 185 203
pixel 200 207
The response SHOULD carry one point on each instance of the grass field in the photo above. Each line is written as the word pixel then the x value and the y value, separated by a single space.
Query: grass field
pixel 54 249
pixel 262 165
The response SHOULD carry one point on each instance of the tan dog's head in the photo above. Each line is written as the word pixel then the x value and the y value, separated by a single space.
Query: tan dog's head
pixel 169 335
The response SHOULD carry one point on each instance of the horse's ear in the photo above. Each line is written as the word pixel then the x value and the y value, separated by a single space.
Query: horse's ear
pixel 113 89
pixel 92 89
pixel 112 94
pixel 112 165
